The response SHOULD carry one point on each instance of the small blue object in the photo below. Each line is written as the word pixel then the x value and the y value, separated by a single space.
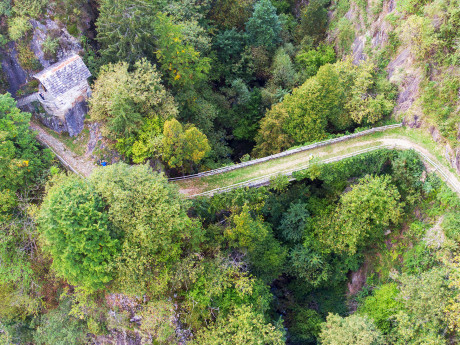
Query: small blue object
pixel 104 164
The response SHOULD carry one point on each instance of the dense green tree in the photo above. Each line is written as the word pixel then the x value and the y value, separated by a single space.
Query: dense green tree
pixel 362 215
pixel 76 231
pixel 283 6
pixel 382 306
pixel 293 222
pixel 22 162
pixel 284 75
pixel 309 266
pixel 229 45
pixel 352 330
pixel 248 113
pixel 181 64
pixel 132 107
pixel 155 227
pixel 181 149
pixel 216 286
pixel 272 137
pixel 338 96
pixel 407 172
pixel 255 238
pixel 362 105
pixel 264 27
pixel 307 111
pixel 243 326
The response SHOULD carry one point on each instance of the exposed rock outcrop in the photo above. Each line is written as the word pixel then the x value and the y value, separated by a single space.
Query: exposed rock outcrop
pixel 15 74
pixel 68 45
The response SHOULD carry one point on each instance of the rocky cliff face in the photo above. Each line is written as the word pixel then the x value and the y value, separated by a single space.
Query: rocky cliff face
pixel 68 45
pixel 17 76
pixel 372 32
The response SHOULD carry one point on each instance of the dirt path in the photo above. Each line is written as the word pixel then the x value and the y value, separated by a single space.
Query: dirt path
pixel 77 164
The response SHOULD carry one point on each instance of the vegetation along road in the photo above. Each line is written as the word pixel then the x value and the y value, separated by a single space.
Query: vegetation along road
pixel 261 173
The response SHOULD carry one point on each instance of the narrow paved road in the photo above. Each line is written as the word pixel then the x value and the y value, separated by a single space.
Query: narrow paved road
pixel 261 173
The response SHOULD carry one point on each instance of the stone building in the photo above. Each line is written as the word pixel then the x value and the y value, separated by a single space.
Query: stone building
pixel 63 91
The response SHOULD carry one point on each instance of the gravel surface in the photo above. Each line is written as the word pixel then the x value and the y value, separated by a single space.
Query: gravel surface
pixel 80 164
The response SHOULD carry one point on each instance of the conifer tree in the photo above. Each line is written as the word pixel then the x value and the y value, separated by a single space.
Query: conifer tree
pixel 264 26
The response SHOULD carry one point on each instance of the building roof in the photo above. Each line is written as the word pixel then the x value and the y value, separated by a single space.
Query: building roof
pixel 64 75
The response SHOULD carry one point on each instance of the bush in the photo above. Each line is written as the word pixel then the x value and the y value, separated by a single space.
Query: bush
pixel 26 57
pixel 353 329
pixel 18 27
pixel 31 8
pixel 345 35
pixel 57 327
pixel 310 60
pixel 451 225
pixel 50 46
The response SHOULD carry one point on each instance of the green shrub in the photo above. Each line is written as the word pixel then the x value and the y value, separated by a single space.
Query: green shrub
pixel 345 35
pixel 18 27
pixel 419 259
pixel 30 8
pixel 57 327
pixel 451 225
pixel 50 46
pixel 26 57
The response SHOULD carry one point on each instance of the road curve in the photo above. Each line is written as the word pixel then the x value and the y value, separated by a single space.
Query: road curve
pixel 83 167
pixel 387 142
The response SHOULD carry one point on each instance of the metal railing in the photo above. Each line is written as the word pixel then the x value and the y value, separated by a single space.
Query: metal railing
pixel 264 180
pixel 286 153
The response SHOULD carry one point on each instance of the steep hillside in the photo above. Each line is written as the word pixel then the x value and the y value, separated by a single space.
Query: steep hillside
pixel 418 44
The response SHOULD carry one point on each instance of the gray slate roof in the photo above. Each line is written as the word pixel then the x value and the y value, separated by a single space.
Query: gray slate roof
pixel 64 75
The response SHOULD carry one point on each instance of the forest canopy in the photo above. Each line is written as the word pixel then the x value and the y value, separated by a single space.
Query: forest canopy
pixel 363 250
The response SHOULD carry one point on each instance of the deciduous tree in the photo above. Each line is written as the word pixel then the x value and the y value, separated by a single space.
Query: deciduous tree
pixel 22 162
pixel 181 64
pixel 243 326
pixel 362 215
pixel 181 149
pixel 76 231
pixel 132 107
pixel 353 330
pixel 155 227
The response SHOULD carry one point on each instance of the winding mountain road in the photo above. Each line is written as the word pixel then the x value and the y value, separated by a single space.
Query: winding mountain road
pixel 260 172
